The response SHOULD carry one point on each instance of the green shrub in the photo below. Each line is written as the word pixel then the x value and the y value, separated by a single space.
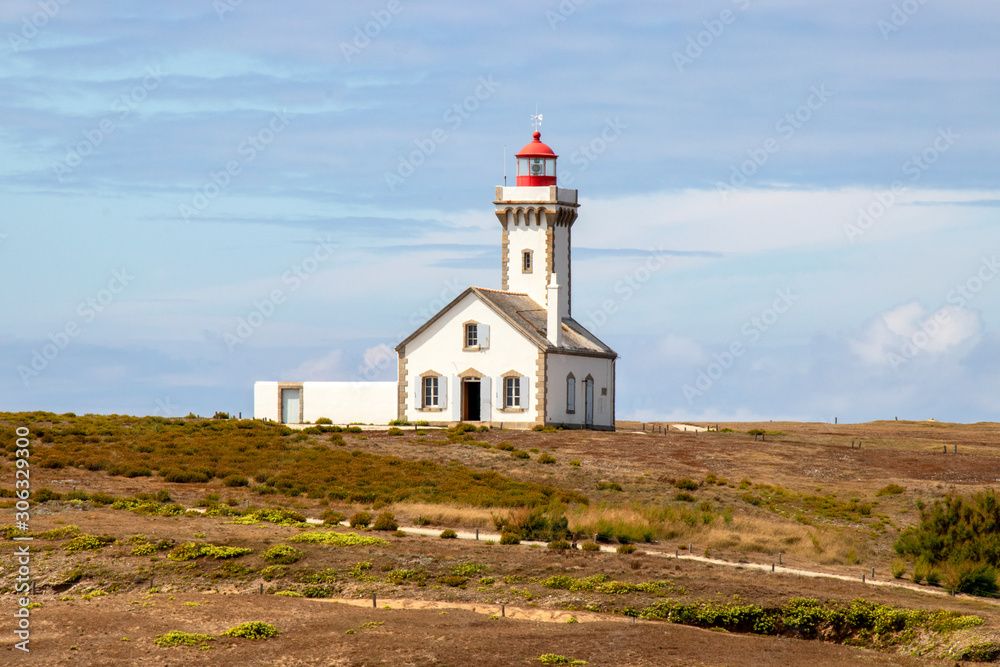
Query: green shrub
pixel 353 429
pixel 890 490
pixel 385 521
pixel 224 553
pixel 609 486
pixel 453 580
pixel 449 534
pixel 336 539
pixel 282 554
pixel 361 520
pixel 520 454
pixel 575 463
pixel 559 545
pixel 185 551
pixel 506 447
pixel 186 477
pixel 145 549
pixel 590 546
pixel 60 533
pixel 546 458
pixel 236 480
pixel 88 542
pixel 178 638
pixel 324 420
pixel 686 484
pixel 898 569
pixel 332 518
pixel 684 496
pixel 509 538
pixel 394 431
pixel 626 549
pixel 252 630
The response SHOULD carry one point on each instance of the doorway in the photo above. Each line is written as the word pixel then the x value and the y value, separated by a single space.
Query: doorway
pixel 291 401
pixel 471 400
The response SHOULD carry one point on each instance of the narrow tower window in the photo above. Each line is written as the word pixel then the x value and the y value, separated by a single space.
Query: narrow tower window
pixel 526 261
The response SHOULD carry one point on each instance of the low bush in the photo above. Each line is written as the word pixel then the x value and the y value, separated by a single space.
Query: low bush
pixel 178 638
pixel 449 534
pixel 332 518
pixel 336 539
pixel 236 480
pixel 559 545
pixel 898 569
pixel 684 496
pixel 547 458
pixel 88 542
pixel 590 546
pixel 323 420
pixel 394 431
pixel 282 554
pixel 360 520
pixel 609 486
pixel 686 484
pixel 626 549
pixel 506 447
pixel 509 538
pixel 520 454
pixel 385 521
pixel 890 490
pixel 252 630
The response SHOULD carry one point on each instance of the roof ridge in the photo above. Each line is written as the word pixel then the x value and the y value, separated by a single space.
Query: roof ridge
pixel 500 291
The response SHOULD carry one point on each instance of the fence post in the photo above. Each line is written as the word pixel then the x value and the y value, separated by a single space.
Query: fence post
pixel 374 602
pixel 503 610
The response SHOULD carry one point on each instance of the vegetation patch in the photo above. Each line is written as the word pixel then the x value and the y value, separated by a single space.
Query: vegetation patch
pixel 178 638
pixel 858 622
pixel 195 450
pixel 334 539
pixel 282 554
pixel 194 550
pixel 962 535
pixel 88 542
pixel 252 630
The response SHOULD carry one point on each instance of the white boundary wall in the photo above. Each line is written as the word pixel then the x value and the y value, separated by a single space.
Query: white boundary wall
pixel 342 402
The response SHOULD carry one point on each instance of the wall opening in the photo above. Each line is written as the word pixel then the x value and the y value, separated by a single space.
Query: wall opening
pixel 291 402
pixel 471 400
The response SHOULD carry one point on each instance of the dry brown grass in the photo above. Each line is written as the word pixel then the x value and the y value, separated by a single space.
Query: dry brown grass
pixel 445 515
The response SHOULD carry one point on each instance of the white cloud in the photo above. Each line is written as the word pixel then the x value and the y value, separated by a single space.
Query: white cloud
pixel 909 330
pixel 322 369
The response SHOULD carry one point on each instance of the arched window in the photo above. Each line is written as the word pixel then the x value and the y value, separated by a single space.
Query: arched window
pixel 570 394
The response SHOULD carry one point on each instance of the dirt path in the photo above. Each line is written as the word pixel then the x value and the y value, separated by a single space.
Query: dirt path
pixel 498 610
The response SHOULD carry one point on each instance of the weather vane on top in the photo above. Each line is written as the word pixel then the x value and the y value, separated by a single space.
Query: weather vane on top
pixel 536 120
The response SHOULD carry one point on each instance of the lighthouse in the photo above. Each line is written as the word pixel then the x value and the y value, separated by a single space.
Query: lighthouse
pixel 513 357
pixel 537 219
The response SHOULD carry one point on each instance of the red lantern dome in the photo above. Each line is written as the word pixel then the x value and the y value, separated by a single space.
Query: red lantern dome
pixel 536 164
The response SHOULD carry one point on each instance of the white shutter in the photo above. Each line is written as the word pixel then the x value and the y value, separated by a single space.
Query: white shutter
pixel 415 394
pixel 442 392
pixel 456 404
pixel 499 394
pixel 484 399
pixel 484 336
pixel 526 401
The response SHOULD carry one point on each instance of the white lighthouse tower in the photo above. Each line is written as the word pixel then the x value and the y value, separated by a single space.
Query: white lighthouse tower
pixel 537 218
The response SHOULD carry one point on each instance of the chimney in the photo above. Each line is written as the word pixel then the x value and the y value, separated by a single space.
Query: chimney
pixel 554 324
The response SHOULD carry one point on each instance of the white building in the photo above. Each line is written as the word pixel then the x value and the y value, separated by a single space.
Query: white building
pixel 513 356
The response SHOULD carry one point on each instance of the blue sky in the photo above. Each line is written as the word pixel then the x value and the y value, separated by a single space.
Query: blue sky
pixel 789 209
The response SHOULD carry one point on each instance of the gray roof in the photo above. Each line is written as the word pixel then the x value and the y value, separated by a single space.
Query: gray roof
pixel 531 319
